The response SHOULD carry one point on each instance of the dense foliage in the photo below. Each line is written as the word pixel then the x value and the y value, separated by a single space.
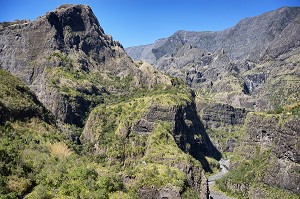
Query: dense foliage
pixel 37 160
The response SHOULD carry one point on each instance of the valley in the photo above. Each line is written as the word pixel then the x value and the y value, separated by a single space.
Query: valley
pixel 82 117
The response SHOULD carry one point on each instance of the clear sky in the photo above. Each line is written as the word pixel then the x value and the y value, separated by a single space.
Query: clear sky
pixel 137 22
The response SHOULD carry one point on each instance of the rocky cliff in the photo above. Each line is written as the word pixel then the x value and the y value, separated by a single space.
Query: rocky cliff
pixel 57 53
pixel 268 151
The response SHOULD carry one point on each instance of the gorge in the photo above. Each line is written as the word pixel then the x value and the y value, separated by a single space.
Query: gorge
pixel 82 117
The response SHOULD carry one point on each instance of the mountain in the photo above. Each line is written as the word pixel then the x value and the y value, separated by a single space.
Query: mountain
pixel 247 65
pixel 250 39
pixel 247 84
pixel 57 52
pixel 80 119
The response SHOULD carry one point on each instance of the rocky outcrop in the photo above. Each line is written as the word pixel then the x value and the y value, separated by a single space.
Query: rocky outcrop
pixel 216 115
pixel 72 29
pixel 276 136
pixel 52 53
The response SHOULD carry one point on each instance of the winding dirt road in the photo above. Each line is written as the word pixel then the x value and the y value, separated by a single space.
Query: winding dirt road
pixel 224 165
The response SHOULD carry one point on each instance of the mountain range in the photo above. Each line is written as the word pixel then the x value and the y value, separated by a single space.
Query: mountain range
pixel 245 66
pixel 82 117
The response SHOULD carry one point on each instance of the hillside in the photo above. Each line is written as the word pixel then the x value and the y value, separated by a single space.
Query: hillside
pixel 247 84
pixel 80 119
pixel 249 65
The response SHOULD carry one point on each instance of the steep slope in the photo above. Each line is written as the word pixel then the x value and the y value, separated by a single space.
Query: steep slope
pixel 66 57
pixel 268 151
pixel 239 65
pixel 36 159
pixel 124 129
pixel 18 102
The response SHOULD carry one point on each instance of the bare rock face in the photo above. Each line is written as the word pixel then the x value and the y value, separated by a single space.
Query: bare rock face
pixel 68 38
pixel 216 114
pixel 280 135
pixel 72 29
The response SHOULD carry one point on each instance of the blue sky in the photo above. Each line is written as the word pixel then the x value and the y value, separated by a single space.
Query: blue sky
pixel 136 22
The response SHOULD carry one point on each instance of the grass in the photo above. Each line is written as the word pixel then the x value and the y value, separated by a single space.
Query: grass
pixel 39 161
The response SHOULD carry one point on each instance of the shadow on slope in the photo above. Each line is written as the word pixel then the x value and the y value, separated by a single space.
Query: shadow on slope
pixel 194 138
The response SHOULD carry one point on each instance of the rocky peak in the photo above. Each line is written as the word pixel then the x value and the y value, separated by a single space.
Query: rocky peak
pixel 70 29
pixel 65 42
pixel 74 21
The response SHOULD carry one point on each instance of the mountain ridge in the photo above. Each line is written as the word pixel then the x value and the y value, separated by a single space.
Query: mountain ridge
pixel 236 59
pixel 220 35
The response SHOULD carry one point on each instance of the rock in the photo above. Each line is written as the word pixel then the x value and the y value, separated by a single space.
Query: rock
pixel 215 115
pixel 64 42
pixel 280 135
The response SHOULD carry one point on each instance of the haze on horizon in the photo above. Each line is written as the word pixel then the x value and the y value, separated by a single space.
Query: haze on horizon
pixel 134 22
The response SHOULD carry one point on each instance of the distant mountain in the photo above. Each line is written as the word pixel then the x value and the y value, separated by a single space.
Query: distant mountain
pixel 251 39
pixel 246 59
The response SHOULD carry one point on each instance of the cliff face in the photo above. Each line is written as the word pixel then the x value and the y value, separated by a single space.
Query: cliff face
pixel 268 151
pixel 56 53
pixel 73 30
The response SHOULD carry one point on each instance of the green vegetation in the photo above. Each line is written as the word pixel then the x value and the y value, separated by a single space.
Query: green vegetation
pixel 35 159
pixel 83 89
pixel 249 175
pixel 148 159
pixel 293 109
pixel 16 99
pixel 254 163
pixel 39 161
pixel 223 135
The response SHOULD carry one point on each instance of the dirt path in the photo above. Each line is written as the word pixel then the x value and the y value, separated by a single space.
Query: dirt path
pixel 224 165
